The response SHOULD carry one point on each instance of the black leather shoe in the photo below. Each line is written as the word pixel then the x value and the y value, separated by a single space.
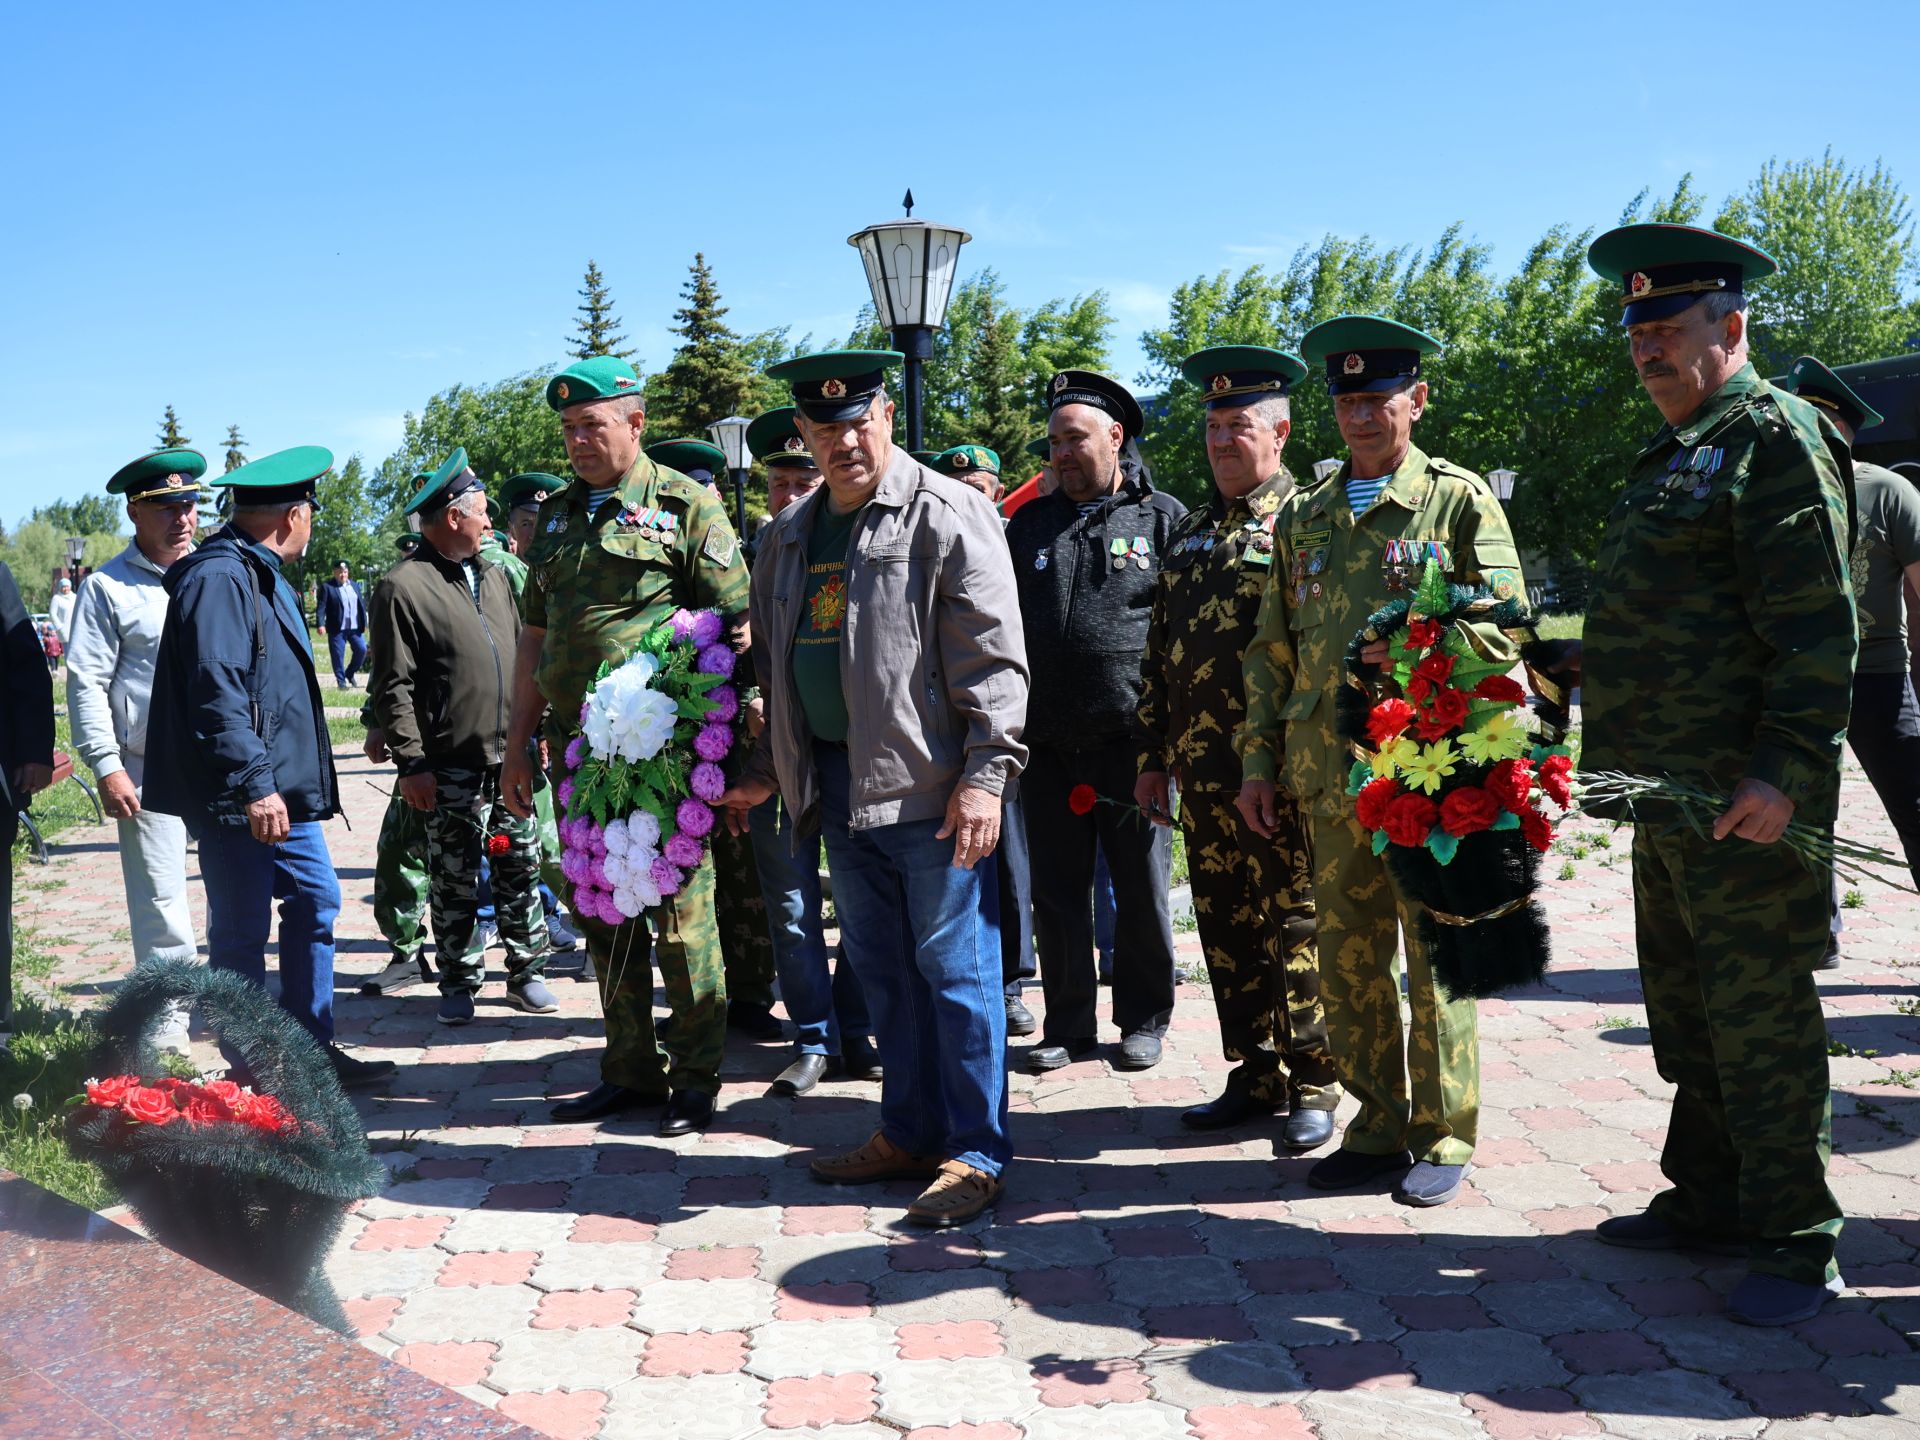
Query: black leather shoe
pixel 1307 1129
pixel 402 972
pixel 801 1076
pixel 1139 1051
pixel 859 1060
pixel 1235 1107
pixel 752 1020
pixel 1020 1020
pixel 1055 1057
pixel 602 1101
pixel 687 1111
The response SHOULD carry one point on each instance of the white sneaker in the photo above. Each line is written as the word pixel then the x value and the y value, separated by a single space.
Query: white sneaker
pixel 172 1035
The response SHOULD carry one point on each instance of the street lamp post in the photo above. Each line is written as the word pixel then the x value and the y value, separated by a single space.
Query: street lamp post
pixel 910 269
pixel 730 435
pixel 76 552
pixel 1323 468
pixel 1502 482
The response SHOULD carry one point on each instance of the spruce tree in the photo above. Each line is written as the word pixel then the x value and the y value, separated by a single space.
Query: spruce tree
pixel 171 436
pixel 999 416
pixel 596 332
pixel 236 455
pixel 709 376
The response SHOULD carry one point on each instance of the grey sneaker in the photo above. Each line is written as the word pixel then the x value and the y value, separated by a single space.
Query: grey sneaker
pixel 1775 1300
pixel 1430 1184
pixel 456 1007
pixel 560 935
pixel 532 996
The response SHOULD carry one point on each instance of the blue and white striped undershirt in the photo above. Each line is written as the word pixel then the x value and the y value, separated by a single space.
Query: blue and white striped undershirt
pixel 597 498
pixel 1362 493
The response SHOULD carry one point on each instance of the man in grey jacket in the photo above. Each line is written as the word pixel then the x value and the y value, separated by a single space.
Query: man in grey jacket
pixel 895 675
pixel 115 636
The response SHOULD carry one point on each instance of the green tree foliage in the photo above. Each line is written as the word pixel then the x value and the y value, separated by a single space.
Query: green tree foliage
pixel 171 435
pixel 38 548
pixel 596 332
pixel 346 526
pixel 711 375
pixel 1844 240
pixel 506 428
pixel 236 449
pixel 89 515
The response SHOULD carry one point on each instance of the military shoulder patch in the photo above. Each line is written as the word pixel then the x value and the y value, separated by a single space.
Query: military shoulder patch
pixel 720 545
pixel 1505 584
pixel 1307 539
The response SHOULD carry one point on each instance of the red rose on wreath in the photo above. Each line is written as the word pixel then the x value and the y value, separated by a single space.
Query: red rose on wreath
pixel 225 1091
pixel 1556 778
pixel 1422 633
pixel 1436 668
pixel 148 1106
pixel 1448 709
pixel 1537 829
pixel 270 1115
pixel 1419 688
pixel 1389 719
pixel 1370 805
pixel 108 1093
pixel 1468 809
pixel 1502 688
pixel 205 1110
pixel 1410 819
pixel 1510 782
pixel 1082 798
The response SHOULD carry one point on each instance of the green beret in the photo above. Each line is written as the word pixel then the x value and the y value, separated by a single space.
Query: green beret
pixel 1235 375
pixel 1664 269
pixel 279 478
pixel 602 378
pixel 966 459
pixel 529 488
pixel 1811 380
pixel 697 459
pixel 1366 352
pixel 440 489
pixel 774 439
pixel 835 384
pixel 406 544
pixel 163 475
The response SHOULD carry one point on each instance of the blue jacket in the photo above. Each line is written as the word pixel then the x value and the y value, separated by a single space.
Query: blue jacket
pixel 331 609
pixel 208 756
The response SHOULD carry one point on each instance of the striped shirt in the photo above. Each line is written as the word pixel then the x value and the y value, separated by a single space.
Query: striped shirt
pixel 1362 493
pixel 597 498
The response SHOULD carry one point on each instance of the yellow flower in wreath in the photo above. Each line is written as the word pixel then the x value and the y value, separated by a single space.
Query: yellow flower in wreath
pixel 1429 769
pixel 1502 737
pixel 1390 759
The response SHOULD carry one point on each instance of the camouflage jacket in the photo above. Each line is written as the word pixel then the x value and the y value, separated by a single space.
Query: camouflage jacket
pixel 494 551
pixel 1204 609
pixel 599 583
pixel 1721 640
pixel 1332 569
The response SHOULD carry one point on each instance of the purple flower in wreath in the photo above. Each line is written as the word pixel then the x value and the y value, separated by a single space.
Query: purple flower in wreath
pixel 681 623
pixel 694 818
pixel 573 865
pixel 576 751
pixel 725 701
pixel 706 627
pixel 597 872
pixel 712 743
pixel 666 876
pixel 564 794
pixel 583 711
pixel 716 660
pixel 708 782
pixel 684 851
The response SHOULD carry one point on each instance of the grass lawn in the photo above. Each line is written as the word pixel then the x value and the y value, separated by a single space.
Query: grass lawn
pixel 1561 627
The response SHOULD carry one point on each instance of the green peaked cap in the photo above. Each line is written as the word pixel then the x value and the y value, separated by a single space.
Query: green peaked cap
pixel 452 480
pixel 601 378
pixel 835 384
pixel 689 456
pixel 1366 352
pixel 285 475
pixel 1811 380
pixel 529 487
pixel 163 475
pixel 406 544
pixel 1664 269
pixel 965 459
pixel 774 439
pixel 1242 374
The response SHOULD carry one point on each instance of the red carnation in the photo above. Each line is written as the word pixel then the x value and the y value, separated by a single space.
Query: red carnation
pixel 1422 632
pixel 1082 798
pixel 1370 805
pixel 1410 819
pixel 1468 809
pixel 149 1106
pixel 1502 688
pixel 1437 668
pixel 1556 778
pixel 1536 828
pixel 1510 782
pixel 497 844
pixel 109 1093
pixel 1389 719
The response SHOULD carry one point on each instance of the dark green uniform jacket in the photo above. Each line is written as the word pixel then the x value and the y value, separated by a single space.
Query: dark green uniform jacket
pixel 442 678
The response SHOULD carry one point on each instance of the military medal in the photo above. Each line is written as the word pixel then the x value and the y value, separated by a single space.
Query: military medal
pixel 1040 561
pixel 1118 549
pixel 1141 550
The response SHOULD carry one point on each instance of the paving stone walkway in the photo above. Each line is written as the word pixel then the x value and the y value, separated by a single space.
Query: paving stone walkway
pixel 1138 1281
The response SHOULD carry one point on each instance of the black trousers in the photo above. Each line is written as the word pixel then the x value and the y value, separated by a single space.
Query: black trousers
pixel 1140 857
pixel 1015 892
pixel 9 829
pixel 1884 730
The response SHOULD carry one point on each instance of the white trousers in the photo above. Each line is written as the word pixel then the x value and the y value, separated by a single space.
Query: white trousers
pixel 153 863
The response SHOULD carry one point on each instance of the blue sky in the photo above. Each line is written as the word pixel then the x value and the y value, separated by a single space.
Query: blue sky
pixel 309 219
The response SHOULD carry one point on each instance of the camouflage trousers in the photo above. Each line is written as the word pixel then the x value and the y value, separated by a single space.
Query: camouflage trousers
pixel 400 879
pixel 1253 899
pixel 1417 1079
pixel 740 910
pixel 467 812
pixel 682 936
pixel 1728 935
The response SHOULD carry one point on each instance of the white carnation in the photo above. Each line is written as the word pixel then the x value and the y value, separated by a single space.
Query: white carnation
pixel 643 832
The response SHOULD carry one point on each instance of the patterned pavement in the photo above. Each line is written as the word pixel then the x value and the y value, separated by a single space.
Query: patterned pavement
pixel 1137 1281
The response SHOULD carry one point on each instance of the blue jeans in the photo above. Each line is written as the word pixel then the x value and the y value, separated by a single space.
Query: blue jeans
pixel 823 1011
pixel 243 879
pixel 338 642
pixel 921 940
pixel 1104 913
pixel 1017 964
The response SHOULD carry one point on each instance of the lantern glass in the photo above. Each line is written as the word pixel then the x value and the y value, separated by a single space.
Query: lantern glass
pixel 730 435
pixel 910 270
pixel 1323 468
pixel 1502 482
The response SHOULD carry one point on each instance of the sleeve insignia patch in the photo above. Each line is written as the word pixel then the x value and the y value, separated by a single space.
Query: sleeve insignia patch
pixel 719 546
